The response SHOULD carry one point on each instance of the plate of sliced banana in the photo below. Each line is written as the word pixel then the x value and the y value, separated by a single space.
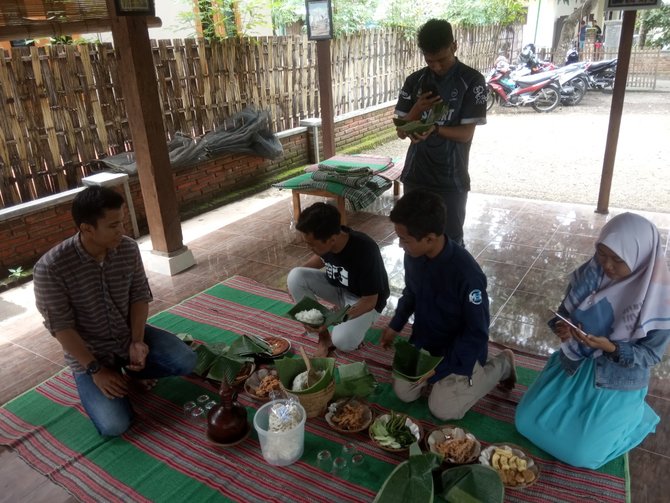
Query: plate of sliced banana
pixel 516 467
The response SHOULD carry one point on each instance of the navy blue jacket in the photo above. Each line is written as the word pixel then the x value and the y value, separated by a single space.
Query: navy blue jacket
pixel 447 295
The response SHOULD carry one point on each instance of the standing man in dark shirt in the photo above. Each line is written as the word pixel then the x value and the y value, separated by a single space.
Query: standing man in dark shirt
pixel 445 290
pixel 94 296
pixel 354 274
pixel 438 159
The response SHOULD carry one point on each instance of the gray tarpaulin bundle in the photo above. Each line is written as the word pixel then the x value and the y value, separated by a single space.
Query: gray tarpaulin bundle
pixel 246 132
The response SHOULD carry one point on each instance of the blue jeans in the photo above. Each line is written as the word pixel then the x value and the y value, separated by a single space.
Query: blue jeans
pixel 167 356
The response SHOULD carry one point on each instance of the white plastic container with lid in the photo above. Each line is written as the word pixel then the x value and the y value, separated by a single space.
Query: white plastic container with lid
pixel 284 447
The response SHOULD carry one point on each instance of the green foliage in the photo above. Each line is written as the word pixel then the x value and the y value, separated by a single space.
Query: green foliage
pixel 484 12
pixel 18 273
pixel 656 24
pixel 350 17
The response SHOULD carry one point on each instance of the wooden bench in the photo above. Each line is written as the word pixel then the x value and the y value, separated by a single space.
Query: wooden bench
pixel 393 174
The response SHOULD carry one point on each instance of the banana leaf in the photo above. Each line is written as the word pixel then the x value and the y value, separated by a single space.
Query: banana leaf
pixel 248 345
pixel 187 338
pixel 353 379
pixel 472 484
pixel 205 359
pixel 225 368
pixel 411 480
pixel 410 363
pixel 416 127
pixel 329 317
pixel 289 368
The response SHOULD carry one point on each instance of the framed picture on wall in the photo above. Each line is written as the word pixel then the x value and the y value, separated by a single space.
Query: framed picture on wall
pixel 135 7
pixel 319 19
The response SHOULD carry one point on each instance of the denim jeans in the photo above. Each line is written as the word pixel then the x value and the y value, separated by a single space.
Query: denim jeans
pixel 167 356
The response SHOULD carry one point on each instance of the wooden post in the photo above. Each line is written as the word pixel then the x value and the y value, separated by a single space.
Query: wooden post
pixel 145 117
pixel 326 97
pixel 616 110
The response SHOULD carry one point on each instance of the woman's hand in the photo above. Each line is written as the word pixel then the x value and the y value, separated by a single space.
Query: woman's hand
pixel 562 330
pixel 593 341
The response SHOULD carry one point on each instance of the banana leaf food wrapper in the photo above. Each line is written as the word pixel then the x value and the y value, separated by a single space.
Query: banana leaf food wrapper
pixel 412 364
pixel 289 368
pixel 329 317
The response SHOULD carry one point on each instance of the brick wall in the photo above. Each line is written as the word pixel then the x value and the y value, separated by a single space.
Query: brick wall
pixel 27 237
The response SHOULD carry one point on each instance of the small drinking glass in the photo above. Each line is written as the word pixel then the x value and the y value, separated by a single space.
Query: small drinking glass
pixel 202 400
pixel 187 408
pixel 209 405
pixel 340 468
pixel 198 415
pixel 357 462
pixel 324 460
pixel 348 450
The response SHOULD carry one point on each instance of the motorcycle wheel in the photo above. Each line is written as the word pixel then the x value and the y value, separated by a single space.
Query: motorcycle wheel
pixel 546 99
pixel 491 98
pixel 579 90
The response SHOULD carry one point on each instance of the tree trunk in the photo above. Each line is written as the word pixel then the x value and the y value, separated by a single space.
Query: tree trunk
pixel 642 41
pixel 570 28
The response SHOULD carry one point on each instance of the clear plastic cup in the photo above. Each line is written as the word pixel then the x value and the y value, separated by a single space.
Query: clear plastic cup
pixel 348 450
pixel 209 405
pixel 198 415
pixel 202 400
pixel 324 460
pixel 357 462
pixel 187 408
pixel 284 447
pixel 340 468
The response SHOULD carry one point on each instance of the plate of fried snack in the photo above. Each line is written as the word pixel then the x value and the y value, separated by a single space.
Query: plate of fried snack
pixel 456 445
pixel 514 465
pixel 348 415
pixel 261 383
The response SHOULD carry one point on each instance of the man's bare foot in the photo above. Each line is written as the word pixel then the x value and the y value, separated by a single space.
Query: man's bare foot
pixel 508 383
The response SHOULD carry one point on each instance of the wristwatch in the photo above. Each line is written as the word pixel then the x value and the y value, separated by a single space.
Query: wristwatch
pixel 93 367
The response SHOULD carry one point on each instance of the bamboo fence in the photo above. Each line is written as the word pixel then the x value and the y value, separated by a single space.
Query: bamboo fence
pixel 61 106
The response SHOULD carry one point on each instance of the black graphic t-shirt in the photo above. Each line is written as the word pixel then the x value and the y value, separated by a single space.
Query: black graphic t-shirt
pixel 359 268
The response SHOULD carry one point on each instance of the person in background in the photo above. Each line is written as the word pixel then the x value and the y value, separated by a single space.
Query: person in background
pixel 445 290
pixel 94 296
pixel 588 406
pixel 354 275
pixel 437 160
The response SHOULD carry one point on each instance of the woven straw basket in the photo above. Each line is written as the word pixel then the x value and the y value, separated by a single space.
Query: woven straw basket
pixel 315 403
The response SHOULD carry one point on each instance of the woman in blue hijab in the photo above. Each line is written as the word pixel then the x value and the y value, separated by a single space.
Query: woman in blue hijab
pixel 587 406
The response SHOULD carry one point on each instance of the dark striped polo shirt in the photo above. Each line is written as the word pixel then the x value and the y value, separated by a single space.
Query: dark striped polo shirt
pixel 73 290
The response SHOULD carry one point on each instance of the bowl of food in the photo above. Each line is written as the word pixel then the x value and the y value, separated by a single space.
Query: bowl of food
pixel 395 432
pixel 349 415
pixel 455 445
pixel 278 346
pixel 261 383
pixel 516 467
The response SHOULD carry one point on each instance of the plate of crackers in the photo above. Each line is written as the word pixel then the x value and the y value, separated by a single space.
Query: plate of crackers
pixel 455 445
pixel 349 415
pixel 261 383
pixel 514 465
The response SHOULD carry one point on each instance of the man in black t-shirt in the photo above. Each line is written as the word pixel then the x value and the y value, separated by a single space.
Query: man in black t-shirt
pixel 354 275
pixel 438 159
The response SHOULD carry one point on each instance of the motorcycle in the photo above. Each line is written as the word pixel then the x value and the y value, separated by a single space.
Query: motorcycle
pixel 572 81
pixel 543 94
pixel 600 74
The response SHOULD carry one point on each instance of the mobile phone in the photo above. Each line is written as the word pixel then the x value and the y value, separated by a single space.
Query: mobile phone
pixel 563 318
